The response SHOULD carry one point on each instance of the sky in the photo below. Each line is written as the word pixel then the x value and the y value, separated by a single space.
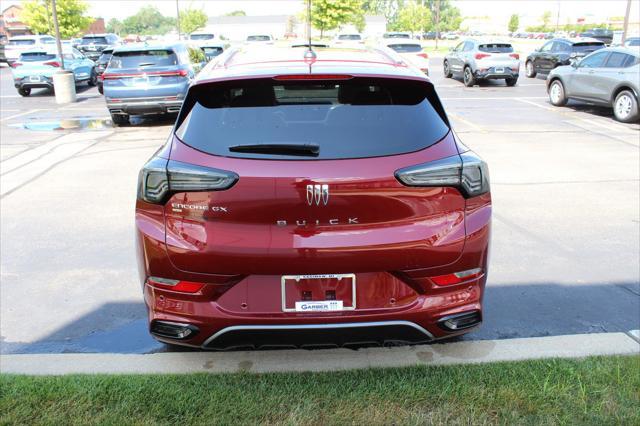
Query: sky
pixel 495 8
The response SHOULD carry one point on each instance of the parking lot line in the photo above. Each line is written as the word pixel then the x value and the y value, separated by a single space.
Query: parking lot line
pixel 467 122
pixel 496 98
pixel 20 114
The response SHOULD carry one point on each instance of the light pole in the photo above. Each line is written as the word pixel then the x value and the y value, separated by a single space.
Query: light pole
pixel 626 21
pixel 63 81
pixel 178 18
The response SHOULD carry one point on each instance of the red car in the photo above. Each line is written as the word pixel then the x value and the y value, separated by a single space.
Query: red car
pixel 311 199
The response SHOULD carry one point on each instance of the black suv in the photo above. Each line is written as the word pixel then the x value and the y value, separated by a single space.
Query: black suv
pixel 92 45
pixel 604 35
pixel 559 51
pixel 101 65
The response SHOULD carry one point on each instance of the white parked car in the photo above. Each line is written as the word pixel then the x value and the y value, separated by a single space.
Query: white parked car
pixel 18 44
pixel 348 39
pixel 411 52
pixel 260 39
pixel 199 37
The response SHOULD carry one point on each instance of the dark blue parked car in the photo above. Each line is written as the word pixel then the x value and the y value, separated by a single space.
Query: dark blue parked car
pixel 145 79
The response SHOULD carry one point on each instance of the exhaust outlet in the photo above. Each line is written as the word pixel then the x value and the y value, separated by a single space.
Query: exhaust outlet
pixel 460 321
pixel 173 330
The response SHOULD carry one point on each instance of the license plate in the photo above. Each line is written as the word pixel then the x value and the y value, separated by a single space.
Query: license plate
pixel 34 78
pixel 499 70
pixel 318 293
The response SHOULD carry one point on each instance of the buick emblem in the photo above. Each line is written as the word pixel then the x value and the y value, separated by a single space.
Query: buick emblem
pixel 317 194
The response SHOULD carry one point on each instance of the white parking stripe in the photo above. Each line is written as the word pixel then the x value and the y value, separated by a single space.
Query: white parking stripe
pixel 496 98
pixel 21 114
pixel 467 122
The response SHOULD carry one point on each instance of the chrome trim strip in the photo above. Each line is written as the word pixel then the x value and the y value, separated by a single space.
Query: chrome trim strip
pixel 316 327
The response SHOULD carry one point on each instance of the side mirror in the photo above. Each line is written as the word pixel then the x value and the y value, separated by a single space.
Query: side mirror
pixel 574 63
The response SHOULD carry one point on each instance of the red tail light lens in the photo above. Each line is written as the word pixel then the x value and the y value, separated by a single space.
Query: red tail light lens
pixel 178 73
pixel 482 55
pixel 53 64
pixel 313 77
pixel 175 285
pixel 16 64
pixel 457 277
pixel 515 56
pixel 423 55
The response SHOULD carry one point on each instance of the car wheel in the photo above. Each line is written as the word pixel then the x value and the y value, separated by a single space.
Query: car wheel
pixel 530 70
pixel 120 119
pixel 511 81
pixel 556 93
pixel 469 79
pixel 24 91
pixel 447 70
pixel 101 89
pixel 93 80
pixel 625 107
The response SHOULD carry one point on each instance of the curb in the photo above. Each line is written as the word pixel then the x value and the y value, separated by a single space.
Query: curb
pixel 471 352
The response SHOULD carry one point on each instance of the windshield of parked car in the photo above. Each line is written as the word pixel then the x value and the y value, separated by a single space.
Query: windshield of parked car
pixel 94 40
pixel 22 42
pixel 406 48
pixel 633 42
pixel 396 36
pixel 201 36
pixel 259 38
pixel 349 37
pixel 143 58
pixel 212 51
pixel 587 46
pixel 356 118
pixel 496 48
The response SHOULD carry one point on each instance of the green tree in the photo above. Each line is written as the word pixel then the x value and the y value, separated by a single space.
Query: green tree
pixel 71 16
pixel 115 26
pixel 237 13
pixel 450 17
pixel 192 19
pixel 514 23
pixel 332 14
pixel 414 18
pixel 389 8
pixel 546 18
pixel 148 20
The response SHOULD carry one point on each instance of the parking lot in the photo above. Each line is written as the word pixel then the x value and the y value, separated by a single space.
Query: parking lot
pixel 565 244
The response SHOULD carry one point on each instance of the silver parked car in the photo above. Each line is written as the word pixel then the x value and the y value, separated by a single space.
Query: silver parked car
pixel 478 60
pixel 608 77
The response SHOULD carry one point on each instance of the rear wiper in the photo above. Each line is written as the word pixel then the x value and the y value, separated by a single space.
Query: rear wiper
pixel 146 64
pixel 303 150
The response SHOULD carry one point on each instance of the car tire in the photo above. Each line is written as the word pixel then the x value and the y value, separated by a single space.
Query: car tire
pixel 468 77
pixel 93 80
pixel 625 107
pixel 101 89
pixel 120 119
pixel 530 69
pixel 24 91
pixel 447 70
pixel 511 81
pixel 557 95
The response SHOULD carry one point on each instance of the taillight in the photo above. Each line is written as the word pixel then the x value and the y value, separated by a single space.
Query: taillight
pixel 423 55
pixel 53 64
pixel 466 171
pixel 182 73
pixel 160 177
pixel 482 55
pixel 457 277
pixel 16 64
pixel 514 55
pixel 175 285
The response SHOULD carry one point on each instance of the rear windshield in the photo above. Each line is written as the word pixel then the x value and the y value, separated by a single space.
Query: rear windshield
pixel 258 38
pixel 26 42
pixel 37 56
pixel 406 48
pixel 587 46
pixel 105 56
pixel 496 48
pixel 634 42
pixel 349 37
pixel 396 35
pixel 212 51
pixel 143 58
pixel 94 40
pixel 201 36
pixel 354 118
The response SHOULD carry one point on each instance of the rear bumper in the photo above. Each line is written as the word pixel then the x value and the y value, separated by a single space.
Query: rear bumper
pixel 493 74
pixel 144 106
pixel 25 83
pixel 223 321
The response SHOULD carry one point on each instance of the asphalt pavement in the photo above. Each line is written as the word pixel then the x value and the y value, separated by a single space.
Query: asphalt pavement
pixel 566 224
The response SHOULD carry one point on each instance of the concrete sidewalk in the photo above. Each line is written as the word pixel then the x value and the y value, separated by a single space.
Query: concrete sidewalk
pixel 570 346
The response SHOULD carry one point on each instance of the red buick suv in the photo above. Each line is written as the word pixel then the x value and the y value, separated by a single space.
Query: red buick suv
pixel 312 199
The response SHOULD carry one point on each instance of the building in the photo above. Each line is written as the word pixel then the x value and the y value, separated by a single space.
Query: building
pixel 11 23
pixel 96 27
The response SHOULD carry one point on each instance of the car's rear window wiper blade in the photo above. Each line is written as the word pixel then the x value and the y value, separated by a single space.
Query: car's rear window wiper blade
pixel 303 150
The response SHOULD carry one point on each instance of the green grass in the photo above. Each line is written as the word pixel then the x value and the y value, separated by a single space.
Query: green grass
pixel 599 391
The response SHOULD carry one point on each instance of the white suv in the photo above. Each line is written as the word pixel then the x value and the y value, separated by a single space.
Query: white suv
pixel 19 44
